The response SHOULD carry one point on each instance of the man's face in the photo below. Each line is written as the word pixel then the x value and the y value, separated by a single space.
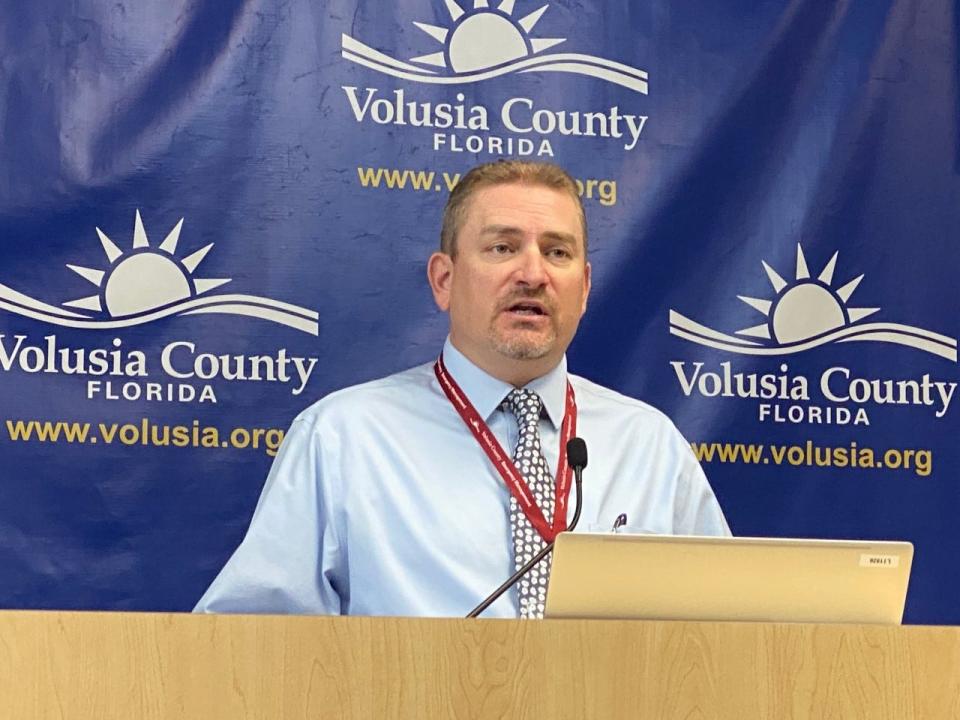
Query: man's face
pixel 519 283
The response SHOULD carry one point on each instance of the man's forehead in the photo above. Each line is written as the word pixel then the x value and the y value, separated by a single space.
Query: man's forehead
pixel 518 204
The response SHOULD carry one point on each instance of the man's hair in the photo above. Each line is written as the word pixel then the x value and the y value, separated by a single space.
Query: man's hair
pixel 503 172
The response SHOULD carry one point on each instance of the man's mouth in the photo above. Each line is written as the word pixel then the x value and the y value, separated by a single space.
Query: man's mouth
pixel 527 308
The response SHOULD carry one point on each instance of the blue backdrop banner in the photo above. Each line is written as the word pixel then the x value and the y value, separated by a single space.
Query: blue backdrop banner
pixel 214 213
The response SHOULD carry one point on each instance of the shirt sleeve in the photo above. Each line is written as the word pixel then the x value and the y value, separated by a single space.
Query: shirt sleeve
pixel 696 511
pixel 290 558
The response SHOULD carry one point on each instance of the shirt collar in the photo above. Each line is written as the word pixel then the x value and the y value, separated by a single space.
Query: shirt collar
pixel 487 392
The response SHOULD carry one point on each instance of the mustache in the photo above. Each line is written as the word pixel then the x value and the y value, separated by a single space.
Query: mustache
pixel 521 294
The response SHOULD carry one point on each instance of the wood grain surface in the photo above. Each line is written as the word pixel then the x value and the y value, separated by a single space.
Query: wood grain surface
pixel 134 666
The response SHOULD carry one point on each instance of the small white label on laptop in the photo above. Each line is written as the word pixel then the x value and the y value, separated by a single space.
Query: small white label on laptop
pixel 881 561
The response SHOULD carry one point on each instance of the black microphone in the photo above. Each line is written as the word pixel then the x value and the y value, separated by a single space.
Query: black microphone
pixel 577 454
pixel 577 459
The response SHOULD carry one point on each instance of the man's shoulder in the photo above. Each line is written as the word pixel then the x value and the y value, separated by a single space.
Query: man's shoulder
pixel 372 397
pixel 606 397
pixel 595 399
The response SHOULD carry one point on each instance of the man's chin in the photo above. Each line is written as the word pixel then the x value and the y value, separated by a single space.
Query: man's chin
pixel 519 347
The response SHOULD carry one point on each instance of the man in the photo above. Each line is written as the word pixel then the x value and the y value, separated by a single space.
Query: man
pixel 389 499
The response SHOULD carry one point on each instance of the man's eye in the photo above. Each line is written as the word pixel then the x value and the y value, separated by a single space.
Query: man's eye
pixel 500 249
pixel 559 253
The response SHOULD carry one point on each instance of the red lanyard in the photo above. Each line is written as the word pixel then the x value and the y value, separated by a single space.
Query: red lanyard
pixel 504 465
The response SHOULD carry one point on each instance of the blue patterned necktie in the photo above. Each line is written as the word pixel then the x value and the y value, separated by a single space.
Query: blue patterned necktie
pixel 528 457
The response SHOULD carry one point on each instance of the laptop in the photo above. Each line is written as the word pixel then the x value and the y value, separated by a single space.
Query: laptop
pixel 660 577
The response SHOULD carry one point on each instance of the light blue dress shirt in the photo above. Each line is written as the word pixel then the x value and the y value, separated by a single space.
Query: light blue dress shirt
pixel 381 502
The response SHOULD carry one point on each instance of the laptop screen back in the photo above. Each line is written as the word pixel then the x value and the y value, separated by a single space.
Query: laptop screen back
pixel 760 579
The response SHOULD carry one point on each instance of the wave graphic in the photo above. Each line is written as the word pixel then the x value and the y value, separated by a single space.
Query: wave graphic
pixel 275 311
pixel 589 65
pixel 917 338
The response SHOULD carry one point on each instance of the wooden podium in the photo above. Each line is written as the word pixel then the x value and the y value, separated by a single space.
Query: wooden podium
pixel 132 666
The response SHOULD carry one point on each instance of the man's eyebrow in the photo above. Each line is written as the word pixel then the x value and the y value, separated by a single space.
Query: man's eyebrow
pixel 511 230
pixel 501 230
pixel 565 238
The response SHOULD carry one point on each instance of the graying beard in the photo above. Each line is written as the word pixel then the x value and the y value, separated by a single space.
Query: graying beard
pixel 519 350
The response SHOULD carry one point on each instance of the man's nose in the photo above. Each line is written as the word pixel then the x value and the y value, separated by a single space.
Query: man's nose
pixel 532 268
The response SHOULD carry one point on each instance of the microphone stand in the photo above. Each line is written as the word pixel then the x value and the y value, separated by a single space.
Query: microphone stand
pixel 547 549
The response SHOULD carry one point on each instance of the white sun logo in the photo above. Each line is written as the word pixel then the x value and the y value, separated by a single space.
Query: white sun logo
pixel 805 308
pixel 807 313
pixel 484 38
pixel 143 278
pixel 481 42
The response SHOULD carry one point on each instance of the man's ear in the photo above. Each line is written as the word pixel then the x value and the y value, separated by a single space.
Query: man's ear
pixel 440 276
pixel 587 283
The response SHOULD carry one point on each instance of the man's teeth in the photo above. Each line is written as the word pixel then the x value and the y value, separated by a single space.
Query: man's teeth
pixel 527 310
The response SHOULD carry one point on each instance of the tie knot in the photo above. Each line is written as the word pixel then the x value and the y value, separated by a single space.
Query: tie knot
pixel 526 405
